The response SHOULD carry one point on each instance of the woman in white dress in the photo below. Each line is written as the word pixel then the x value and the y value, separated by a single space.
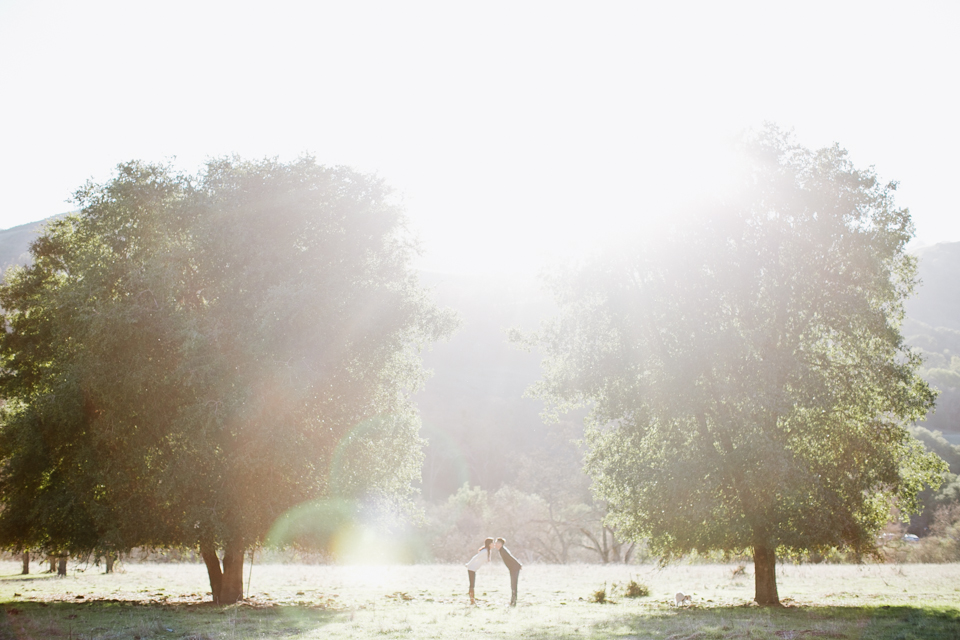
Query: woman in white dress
pixel 477 561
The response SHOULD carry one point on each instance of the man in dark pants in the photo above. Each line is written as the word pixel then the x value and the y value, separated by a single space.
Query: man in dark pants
pixel 513 565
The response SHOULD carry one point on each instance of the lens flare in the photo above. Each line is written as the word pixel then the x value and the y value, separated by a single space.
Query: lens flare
pixel 349 532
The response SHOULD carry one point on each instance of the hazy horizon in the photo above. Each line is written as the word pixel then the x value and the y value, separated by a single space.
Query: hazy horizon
pixel 514 134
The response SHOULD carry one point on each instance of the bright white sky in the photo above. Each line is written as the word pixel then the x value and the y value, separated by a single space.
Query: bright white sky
pixel 515 131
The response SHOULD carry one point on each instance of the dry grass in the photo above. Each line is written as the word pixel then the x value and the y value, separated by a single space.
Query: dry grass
pixel 429 601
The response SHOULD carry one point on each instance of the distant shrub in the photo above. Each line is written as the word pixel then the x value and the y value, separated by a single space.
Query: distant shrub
pixel 941 545
pixel 636 590
pixel 600 595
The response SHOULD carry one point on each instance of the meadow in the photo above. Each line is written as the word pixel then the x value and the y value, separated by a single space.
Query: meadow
pixel 147 601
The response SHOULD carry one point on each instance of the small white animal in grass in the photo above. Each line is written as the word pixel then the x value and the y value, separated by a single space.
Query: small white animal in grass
pixel 682 599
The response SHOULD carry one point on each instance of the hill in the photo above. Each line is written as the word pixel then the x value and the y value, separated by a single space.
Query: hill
pixel 15 243
pixel 938 301
pixel 475 418
pixel 933 328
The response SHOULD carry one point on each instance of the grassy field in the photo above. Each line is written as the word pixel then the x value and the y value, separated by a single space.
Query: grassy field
pixel 146 601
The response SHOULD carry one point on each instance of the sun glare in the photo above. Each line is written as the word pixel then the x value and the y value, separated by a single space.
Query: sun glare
pixel 365 545
pixel 344 531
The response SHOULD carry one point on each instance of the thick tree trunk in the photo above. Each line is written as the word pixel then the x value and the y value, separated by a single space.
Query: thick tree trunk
pixel 231 589
pixel 53 563
pixel 62 566
pixel 226 584
pixel 209 554
pixel 108 561
pixel 26 563
pixel 765 568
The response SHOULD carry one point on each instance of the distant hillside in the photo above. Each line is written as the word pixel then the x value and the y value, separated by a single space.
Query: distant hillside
pixel 15 243
pixel 938 301
pixel 933 328
pixel 475 417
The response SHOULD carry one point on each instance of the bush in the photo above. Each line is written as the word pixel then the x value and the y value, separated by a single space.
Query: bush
pixel 942 545
pixel 636 590
pixel 600 595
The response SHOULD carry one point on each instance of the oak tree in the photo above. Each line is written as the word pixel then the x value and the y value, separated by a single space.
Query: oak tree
pixel 749 385
pixel 189 357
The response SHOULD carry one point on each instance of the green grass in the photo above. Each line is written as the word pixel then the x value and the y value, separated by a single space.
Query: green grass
pixel 152 601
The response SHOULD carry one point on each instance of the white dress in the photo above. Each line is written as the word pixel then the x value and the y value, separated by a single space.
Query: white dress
pixel 478 560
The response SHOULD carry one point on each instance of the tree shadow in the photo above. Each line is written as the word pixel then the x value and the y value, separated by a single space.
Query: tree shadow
pixel 96 618
pixel 29 577
pixel 875 622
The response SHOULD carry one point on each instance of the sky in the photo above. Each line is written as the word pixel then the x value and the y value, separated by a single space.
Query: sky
pixel 515 133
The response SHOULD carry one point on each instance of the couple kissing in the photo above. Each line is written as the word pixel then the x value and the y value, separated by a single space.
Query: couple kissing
pixel 483 556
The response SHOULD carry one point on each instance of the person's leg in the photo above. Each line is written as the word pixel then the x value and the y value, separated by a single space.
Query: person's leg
pixel 514 578
pixel 473 578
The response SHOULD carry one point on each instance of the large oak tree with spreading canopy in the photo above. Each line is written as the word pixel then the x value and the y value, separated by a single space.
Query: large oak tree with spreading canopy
pixel 189 357
pixel 749 385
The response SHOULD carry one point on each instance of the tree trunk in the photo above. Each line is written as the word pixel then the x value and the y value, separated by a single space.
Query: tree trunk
pixel 765 568
pixel 62 566
pixel 209 554
pixel 26 563
pixel 231 589
pixel 617 546
pixel 226 584
pixel 53 563
pixel 108 561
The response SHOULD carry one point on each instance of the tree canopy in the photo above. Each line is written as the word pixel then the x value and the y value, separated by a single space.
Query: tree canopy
pixel 749 386
pixel 191 356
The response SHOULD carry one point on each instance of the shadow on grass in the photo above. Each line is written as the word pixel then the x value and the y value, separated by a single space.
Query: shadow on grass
pixel 29 577
pixel 119 619
pixel 106 618
pixel 721 623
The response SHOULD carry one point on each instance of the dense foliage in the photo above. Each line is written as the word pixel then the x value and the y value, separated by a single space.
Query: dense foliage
pixel 749 385
pixel 191 356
